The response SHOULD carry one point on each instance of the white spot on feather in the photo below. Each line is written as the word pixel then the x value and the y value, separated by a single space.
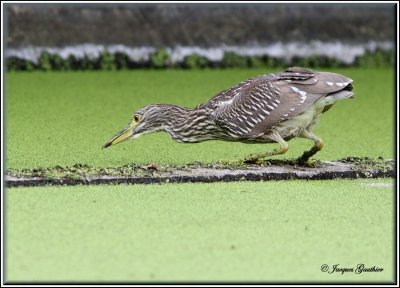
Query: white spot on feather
pixel 329 83
pixel 244 130
pixel 253 120
pixel 302 93
pixel 258 105
pixel 265 111
pixel 232 135
pixel 303 96
pixel 250 124
pixel 224 103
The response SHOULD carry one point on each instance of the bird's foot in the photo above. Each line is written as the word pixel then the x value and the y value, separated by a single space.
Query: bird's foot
pixel 308 162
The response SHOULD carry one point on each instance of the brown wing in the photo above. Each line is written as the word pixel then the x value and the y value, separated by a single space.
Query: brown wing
pixel 255 105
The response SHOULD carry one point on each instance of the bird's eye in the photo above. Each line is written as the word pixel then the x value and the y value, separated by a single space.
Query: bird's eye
pixel 136 118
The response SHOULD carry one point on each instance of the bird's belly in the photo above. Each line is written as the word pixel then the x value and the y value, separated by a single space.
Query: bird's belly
pixel 293 127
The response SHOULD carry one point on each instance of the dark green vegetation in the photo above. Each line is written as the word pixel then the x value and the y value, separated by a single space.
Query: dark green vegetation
pixel 266 231
pixel 161 59
pixel 62 119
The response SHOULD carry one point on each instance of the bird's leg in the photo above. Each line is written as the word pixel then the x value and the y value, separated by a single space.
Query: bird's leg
pixel 318 144
pixel 283 148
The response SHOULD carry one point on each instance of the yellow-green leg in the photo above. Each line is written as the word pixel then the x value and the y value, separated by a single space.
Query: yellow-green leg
pixel 283 148
pixel 318 144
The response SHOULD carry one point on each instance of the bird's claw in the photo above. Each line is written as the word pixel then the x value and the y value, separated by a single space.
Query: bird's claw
pixel 307 162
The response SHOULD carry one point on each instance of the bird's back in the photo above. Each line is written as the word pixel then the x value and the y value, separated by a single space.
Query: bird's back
pixel 254 106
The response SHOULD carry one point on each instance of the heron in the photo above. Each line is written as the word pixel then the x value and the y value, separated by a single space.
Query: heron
pixel 269 108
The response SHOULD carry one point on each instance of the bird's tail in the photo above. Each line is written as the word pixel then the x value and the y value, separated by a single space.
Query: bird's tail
pixel 330 99
pixel 342 94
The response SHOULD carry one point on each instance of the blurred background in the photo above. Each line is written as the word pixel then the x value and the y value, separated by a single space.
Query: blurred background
pixel 190 36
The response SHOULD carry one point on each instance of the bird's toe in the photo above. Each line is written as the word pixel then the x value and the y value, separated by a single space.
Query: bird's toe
pixel 308 162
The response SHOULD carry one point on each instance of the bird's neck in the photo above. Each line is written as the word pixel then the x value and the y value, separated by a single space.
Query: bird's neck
pixel 175 116
pixel 189 125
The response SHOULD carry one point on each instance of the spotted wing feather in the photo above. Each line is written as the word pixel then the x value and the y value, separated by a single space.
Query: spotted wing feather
pixel 254 106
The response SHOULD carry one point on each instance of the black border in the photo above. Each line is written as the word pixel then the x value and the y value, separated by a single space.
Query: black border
pixel 180 283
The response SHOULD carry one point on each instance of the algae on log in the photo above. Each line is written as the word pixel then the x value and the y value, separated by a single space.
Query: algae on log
pixel 347 168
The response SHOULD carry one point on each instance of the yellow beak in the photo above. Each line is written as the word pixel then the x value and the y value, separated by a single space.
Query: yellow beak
pixel 121 136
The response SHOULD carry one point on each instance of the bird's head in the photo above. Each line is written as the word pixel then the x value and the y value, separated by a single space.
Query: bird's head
pixel 146 120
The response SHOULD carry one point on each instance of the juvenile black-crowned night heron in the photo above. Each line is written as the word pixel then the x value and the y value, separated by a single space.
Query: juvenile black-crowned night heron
pixel 272 108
